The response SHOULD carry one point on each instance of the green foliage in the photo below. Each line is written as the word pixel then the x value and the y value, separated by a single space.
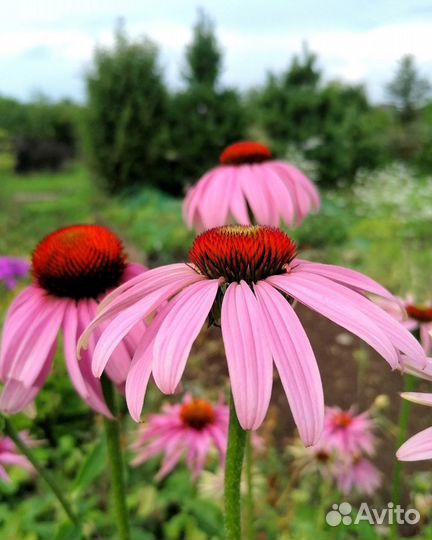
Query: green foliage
pixel 408 90
pixel 204 118
pixel 126 115
pixel 333 124
pixel 203 55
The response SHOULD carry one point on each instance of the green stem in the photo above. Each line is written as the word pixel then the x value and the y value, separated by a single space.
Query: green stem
pixel 10 430
pixel 404 414
pixel 233 471
pixel 249 489
pixel 116 465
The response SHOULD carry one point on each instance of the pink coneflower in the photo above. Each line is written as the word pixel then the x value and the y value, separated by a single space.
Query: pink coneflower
pixel 249 183
pixel 9 455
pixel 248 277
pixel 12 269
pixel 187 430
pixel 415 317
pixel 360 475
pixel 72 269
pixel 419 446
pixel 346 432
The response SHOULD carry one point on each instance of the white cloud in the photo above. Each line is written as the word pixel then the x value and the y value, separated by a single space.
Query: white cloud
pixel 359 55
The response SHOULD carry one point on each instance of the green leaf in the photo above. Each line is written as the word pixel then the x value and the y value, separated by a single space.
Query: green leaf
pixel 91 469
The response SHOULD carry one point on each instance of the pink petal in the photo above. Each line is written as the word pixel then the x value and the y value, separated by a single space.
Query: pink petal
pixel 295 361
pixel 327 301
pixel 256 194
pixel 121 325
pixel 238 206
pixel 417 448
pixel 179 330
pixel 34 349
pixel 142 364
pixel 345 276
pixel 418 397
pixel 70 328
pixel 248 355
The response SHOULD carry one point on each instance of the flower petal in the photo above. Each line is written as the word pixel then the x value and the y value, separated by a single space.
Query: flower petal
pixel 418 397
pixel 179 330
pixel 295 361
pixel 327 301
pixel 248 355
pixel 417 448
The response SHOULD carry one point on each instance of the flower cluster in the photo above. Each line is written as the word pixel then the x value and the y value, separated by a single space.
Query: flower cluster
pixel 343 451
pixel 187 430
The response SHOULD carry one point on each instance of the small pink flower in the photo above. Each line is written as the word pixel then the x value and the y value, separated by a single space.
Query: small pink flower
pixel 187 430
pixel 72 269
pixel 346 432
pixel 249 179
pixel 360 475
pixel 247 277
pixel 419 446
pixel 9 455
pixel 12 269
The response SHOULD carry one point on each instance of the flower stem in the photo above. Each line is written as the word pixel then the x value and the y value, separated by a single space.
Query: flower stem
pixel 233 471
pixel 249 489
pixel 404 414
pixel 115 459
pixel 10 430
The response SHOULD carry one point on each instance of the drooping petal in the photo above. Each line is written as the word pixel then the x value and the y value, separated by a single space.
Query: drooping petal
pixel 248 355
pixel 179 330
pixel 121 325
pixel 399 336
pixel 36 343
pixel 418 397
pixel 238 207
pixel 345 276
pixel 256 194
pixel 327 302
pixel 16 396
pixel 127 295
pixel 295 361
pixel 417 448
pixel 70 329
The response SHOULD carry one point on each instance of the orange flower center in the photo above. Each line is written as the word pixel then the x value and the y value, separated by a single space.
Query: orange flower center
pixel 419 313
pixel 197 414
pixel 322 456
pixel 242 252
pixel 342 419
pixel 82 261
pixel 245 152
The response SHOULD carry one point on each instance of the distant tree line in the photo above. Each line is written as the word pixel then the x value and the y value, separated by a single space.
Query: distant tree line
pixel 135 131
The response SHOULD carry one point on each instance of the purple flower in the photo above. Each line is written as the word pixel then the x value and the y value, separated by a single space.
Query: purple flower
pixel 12 268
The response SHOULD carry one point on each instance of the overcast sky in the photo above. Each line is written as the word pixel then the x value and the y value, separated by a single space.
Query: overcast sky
pixel 45 45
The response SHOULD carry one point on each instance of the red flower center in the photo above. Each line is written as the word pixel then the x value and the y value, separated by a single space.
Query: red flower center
pixel 245 152
pixel 82 261
pixel 197 414
pixel 242 252
pixel 419 313
pixel 342 419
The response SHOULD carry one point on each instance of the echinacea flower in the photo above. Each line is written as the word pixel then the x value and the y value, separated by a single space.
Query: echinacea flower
pixel 416 317
pixel 250 183
pixel 347 432
pixel 12 269
pixel 419 446
pixel 10 456
pixel 247 277
pixel 187 430
pixel 359 474
pixel 72 269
